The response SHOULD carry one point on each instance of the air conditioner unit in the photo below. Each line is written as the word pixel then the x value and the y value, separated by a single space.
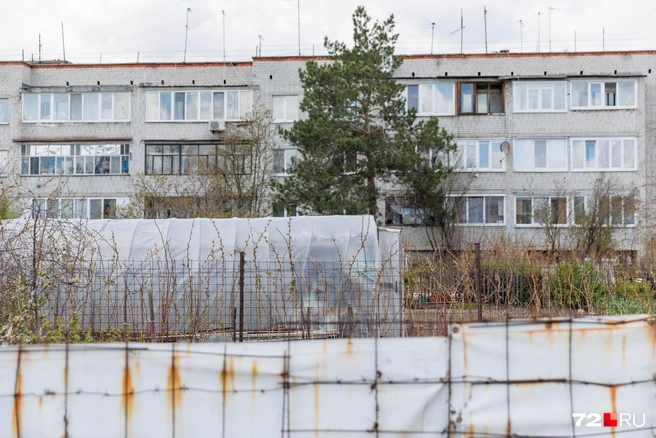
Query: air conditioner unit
pixel 217 125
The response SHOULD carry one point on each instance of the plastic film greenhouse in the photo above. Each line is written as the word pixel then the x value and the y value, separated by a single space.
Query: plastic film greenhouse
pixel 261 279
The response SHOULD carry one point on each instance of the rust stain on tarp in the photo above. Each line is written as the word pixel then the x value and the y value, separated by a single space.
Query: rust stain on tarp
pixel 228 377
pixel 173 385
pixel 18 404
pixel 651 333
pixel 254 380
pixel 127 394
pixel 613 405
pixel 349 347
pixel 471 431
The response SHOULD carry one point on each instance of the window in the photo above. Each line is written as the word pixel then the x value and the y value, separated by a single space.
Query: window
pixel 479 155
pixel 613 210
pixel 76 107
pixel 432 99
pixel 283 160
pixel 285 108
pixel 76 208
pixel 194 106
pixel 603 94
pixel 280 210
pixel 538 96
pixel 604 154
pixel 235 159
pixel 540 210
pixel 3 163
pixel 4 111
pixel 348 161
pixel 402 210
pixel 186 159
pixel 484 210
pixel 75 159
pixel 166 207
pixel 480 98
pixel 540 154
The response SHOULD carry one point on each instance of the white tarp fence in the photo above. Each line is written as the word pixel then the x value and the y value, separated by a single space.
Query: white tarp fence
pixel 521 378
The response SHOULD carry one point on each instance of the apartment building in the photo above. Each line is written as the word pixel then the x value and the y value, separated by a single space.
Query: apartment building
pixel 535 131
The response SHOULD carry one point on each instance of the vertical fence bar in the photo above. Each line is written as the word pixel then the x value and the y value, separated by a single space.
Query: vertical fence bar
pixel 479 301
pixel 153 338
pixel 234 324
pixel 242 263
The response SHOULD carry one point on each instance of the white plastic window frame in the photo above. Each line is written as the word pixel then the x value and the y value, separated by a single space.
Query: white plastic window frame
pixel 285 102
pixel 603 105
pixel 533 198
pixel 609 223
pixel 532 168
pixel 484 196
pixel 460 155
pixel 4 111
pixel 4 163
pixel 118 202
pixel 420 102
pixel 292 154
pixel 539 85
pixel 596 168
pixel 76 160
pixel 241 100
pixel 52 119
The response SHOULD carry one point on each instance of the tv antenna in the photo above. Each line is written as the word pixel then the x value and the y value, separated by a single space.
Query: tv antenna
pixel 260 47
pixel 538 31
pixel 63 43
pixel 485 20
pixel 432 34
pixel 521 36
pixel 224 53
pixel 550 9
pixel 186 33
pixel 460 30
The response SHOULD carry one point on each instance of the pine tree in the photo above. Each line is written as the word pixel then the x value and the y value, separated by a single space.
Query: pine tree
pixel 358 132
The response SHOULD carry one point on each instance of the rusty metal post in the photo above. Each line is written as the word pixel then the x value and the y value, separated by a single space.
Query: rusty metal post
pixel 153 338
pixel 234 324
pixel 479 300
pixel 242 263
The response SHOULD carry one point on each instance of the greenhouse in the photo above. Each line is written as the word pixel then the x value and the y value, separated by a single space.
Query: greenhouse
pixel 324 276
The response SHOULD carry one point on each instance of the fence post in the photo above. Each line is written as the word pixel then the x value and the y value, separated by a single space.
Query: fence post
pixel 234 324
pixel 153 338
pixel 242 263
pixel 479 300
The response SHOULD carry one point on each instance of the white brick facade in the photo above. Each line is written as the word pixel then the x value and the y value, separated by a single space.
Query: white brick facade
pixel 268 77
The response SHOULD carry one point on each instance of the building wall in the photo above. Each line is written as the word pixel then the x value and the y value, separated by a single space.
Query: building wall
pixel 269 77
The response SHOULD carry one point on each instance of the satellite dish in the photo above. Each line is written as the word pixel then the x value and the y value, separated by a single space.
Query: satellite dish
pixel 505 147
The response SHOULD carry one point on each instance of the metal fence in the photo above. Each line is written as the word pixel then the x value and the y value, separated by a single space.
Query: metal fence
pixel 234 299
pixel 530 378
pixel 229 300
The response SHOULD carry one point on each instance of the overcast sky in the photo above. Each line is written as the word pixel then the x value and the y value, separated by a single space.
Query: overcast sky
pixel 154 30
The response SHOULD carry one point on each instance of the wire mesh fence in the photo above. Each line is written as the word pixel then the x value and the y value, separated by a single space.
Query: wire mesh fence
pixel 245 300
